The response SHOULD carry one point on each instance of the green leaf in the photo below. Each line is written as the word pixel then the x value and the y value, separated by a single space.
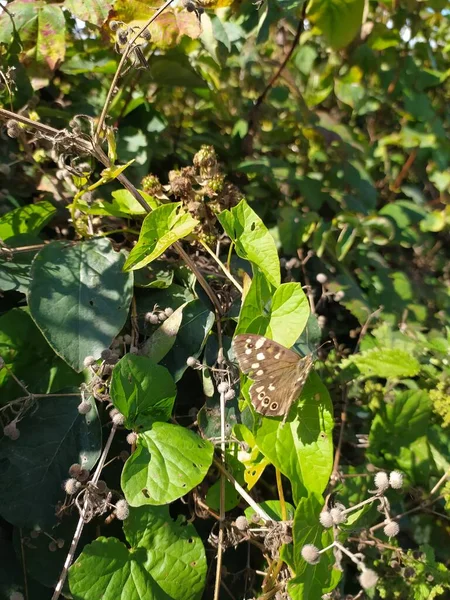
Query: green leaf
pixel 289 313
pixel 190 339
pixel 160 229
pixel 400 423
pixel 163 339
pixel 169 462
pixel 15 273
pixel 107 569
pixel 27 354
pixel 386 363
pixel 304 440
pixel 312 581
pixel 253 240
pixel 26 219
pixel 142 391
pixel 273 509
pixel 91 11
pixel 123 205
pixel 255 301
pixel 338 20
pixel 79 297
pixel 53 436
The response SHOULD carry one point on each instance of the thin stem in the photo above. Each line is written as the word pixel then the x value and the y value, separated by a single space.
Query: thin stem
pixel 24 567
pixel 222 266
pixel 261 512
pixel 222 501
pixel 281 494
pixel 117 74
pixel 80 524
pixel 440 482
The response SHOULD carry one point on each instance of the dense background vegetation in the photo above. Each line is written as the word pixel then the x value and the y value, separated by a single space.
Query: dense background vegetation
pixel 293 161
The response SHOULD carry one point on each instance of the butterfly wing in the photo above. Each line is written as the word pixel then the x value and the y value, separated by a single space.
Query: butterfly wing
pixel 279 374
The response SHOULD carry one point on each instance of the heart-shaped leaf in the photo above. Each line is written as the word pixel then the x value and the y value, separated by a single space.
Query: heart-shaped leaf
pixel 142 391
pixel 168 462
pixel 107 569
pixel 79 297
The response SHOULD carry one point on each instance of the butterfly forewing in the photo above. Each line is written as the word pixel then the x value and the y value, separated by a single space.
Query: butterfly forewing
pixel 278 373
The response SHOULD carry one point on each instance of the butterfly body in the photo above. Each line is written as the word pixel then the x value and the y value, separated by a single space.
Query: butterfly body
pixel 278 373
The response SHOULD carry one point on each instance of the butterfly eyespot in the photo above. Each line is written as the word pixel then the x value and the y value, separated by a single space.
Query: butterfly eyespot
pixel 274 406
pixel 266 401
pixel 260 395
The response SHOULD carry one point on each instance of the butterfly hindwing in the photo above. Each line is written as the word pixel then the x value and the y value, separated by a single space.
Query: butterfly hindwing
pixel 278 373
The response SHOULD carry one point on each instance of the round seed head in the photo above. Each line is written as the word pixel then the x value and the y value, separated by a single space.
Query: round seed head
pixel 60 543
pixel 89 361
pixel 83 475
pixel 132 438
pixel 11 431
pixel 101 486
pixel 381 481
pixel 409 572
pixel 162 317
pixel 223 387
pixel 52 546
pixel 74 470
pixel 337 515
pixel 191 361
pixel 122 510
pixel 127 339
pixel 168 311
pixel 124 455
pixel 241 523
pixel 339 295
pixel 396 480
pixel 230 394
pixel 325 518
pixel 118 419
pixel 391 529
pixel 114 25
pixel 310 554
pixel 84 407
pixel 321 278
pixel 71 486
pixel 106 353
pixel 368 579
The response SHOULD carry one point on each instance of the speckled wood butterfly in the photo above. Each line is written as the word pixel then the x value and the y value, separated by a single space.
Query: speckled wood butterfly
pixel 279 374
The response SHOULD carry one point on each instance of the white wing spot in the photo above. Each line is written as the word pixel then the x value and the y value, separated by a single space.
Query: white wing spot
pixel 260 372
pixel 260 356
pixel 277 355
pixel 248 340
pixel 271 387
pixel 255 365
pixel 248 351
pixel 259 389
pixel 260 343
